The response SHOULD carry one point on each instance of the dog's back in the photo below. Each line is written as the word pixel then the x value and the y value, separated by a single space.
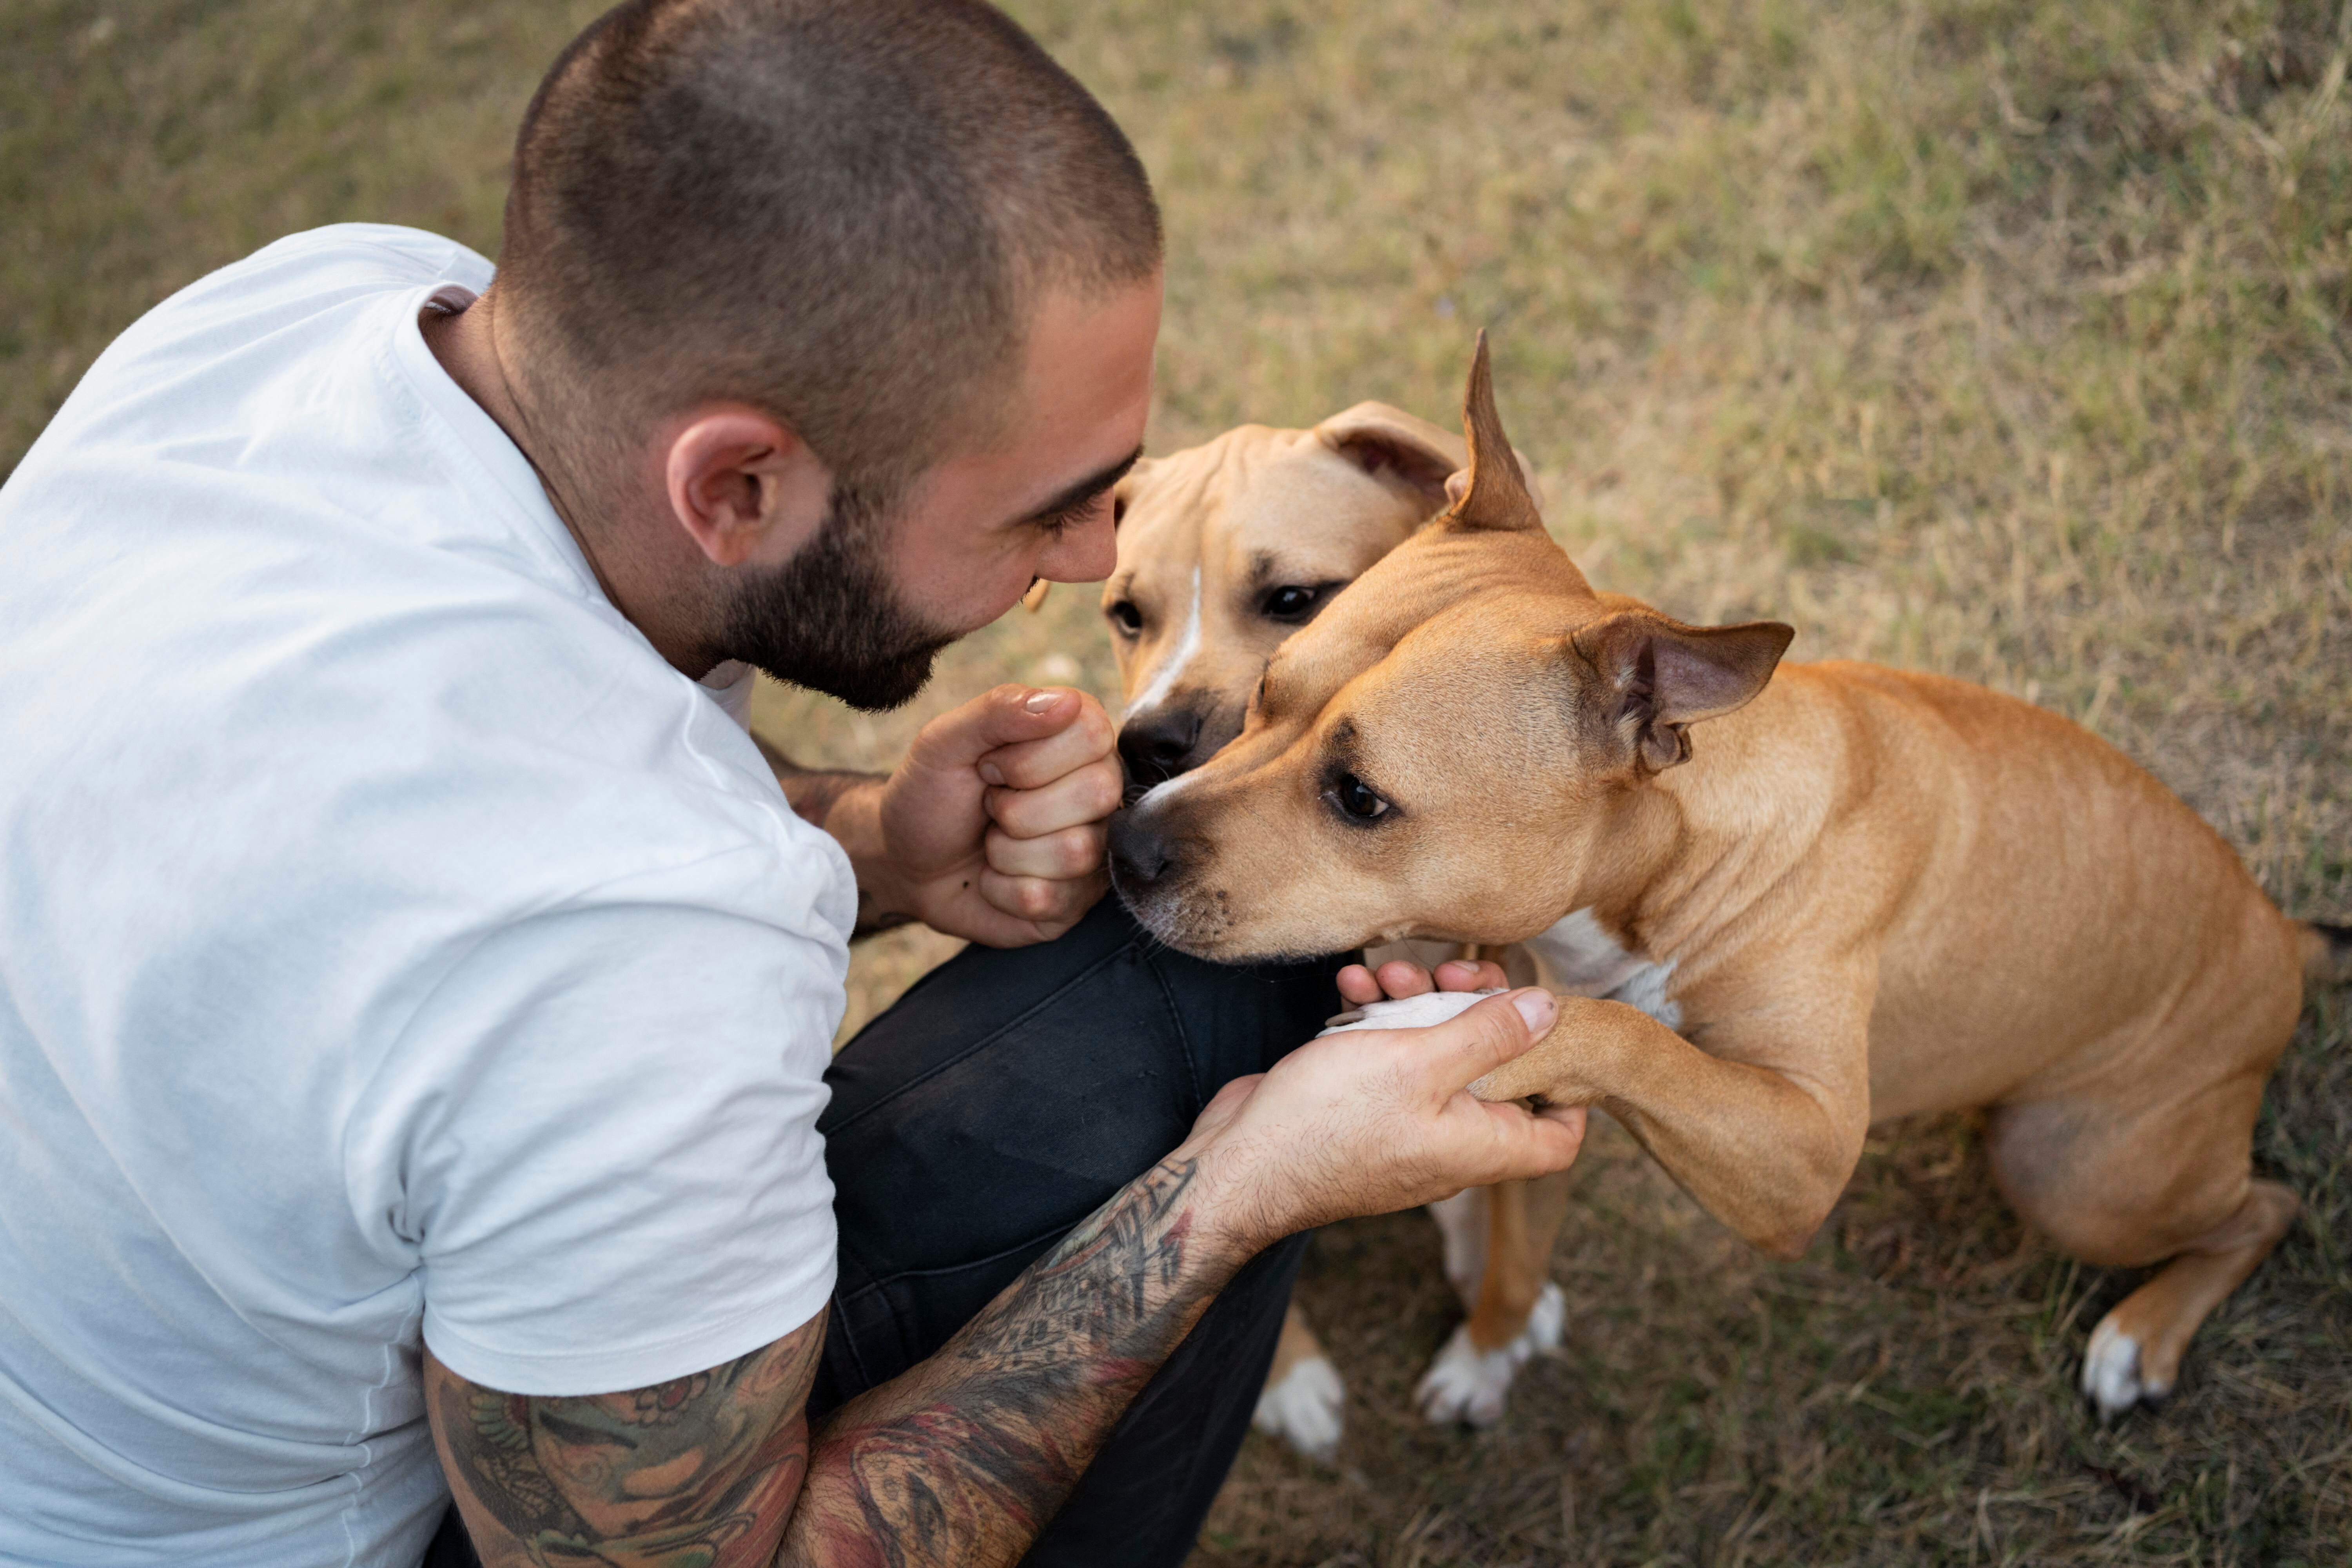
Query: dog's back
pixel 2118 906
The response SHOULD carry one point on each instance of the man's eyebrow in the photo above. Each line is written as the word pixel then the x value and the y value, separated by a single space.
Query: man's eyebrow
pixel 1086 490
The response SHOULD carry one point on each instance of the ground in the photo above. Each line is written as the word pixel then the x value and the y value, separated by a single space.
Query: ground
pixel 2010 340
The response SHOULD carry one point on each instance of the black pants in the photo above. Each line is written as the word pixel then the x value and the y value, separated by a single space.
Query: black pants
pixel 1001 1101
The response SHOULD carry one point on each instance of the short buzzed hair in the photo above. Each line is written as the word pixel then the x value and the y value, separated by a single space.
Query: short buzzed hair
pixel 839 211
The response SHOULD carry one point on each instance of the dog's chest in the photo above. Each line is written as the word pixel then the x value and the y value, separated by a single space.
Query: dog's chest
pixel 1578 957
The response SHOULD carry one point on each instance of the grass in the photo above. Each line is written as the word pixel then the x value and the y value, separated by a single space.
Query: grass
pixel 2011 339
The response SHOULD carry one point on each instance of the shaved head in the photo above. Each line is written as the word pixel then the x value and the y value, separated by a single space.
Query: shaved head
pixel 842 212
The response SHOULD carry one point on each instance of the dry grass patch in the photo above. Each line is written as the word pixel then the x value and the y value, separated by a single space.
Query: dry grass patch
pixel 2011 339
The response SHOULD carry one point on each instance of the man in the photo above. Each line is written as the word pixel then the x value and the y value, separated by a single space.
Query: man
pixel 414 991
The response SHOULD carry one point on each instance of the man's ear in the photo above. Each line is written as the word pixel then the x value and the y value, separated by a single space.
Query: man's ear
pixel 1493 495
pixel 1396 448
pixel 743 486
pixel 1652 678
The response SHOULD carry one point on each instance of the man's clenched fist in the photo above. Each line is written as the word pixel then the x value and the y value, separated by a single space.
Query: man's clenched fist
pixel 991 826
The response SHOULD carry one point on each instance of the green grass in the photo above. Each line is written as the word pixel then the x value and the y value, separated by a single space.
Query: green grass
pixel 2008 340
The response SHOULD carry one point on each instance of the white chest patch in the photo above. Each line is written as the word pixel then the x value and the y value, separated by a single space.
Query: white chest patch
pixel 1576 956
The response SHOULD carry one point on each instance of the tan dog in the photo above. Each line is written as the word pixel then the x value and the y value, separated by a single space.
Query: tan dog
pixel 1224 551
pixel 1852 894
pixel 1227 548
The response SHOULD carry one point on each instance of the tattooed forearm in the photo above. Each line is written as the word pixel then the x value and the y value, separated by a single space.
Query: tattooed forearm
pixel 702 1469
pixel 966 1458
pixel 961 1461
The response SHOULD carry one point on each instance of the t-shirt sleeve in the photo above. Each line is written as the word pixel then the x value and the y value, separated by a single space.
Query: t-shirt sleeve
pixel 603 1125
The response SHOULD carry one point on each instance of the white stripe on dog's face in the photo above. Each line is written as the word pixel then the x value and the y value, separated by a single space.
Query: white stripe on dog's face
pixel 1188 643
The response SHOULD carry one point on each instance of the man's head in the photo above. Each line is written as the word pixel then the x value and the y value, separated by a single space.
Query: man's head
pixel 831 322
pixel 1441 752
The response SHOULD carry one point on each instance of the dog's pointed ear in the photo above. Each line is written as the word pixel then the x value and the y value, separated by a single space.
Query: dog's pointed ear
pixel 1396 448
pixel 1652 678
pixel 1494 493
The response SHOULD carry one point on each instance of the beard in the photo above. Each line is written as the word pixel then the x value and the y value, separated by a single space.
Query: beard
pixel 830 618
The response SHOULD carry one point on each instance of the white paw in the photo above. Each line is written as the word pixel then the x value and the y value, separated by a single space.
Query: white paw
pixel 1547 1319
pixel 1465 1383
pixel 1304 1409
pixel 2111 1374
pixel 1407 1011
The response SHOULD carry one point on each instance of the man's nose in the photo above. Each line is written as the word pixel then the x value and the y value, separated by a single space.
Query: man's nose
pixel 1088 553
pixel 1154 747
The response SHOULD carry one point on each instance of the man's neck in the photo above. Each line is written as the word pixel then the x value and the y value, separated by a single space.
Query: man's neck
pixel 471 349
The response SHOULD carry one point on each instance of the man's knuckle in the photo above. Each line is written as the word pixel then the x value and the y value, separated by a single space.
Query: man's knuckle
pixel 1103 789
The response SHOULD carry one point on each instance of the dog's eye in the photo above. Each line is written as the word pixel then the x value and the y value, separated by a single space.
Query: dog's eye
pixel 1354 798
pixel 1290 602
pixel 1125 617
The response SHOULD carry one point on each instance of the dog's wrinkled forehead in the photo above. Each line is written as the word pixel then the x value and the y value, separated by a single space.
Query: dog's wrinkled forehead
pixel 1429 576
pixel 1163 507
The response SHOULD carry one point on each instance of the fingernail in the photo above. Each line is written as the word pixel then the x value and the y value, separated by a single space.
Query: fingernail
pixel 1038 701
pixel 1537 1007
pixel 991 774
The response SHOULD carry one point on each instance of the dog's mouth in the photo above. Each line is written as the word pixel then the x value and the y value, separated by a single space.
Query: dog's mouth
pixel 1190 927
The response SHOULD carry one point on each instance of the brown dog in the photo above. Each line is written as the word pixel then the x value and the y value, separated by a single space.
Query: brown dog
pixel 1854 894
pixel 1225 550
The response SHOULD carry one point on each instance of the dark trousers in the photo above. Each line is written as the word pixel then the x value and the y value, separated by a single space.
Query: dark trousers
pixel 1003 1099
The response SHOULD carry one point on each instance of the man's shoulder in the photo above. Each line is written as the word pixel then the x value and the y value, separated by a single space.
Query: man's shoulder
pixel 318 268
pixel 296 331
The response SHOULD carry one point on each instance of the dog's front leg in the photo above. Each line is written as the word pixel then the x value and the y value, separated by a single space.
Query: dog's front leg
pixel 1764 1134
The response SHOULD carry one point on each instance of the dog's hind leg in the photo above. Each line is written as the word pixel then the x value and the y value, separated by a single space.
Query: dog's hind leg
pixel 1304 1401
pixel 1518 1311
pixel 2135 1353
pixel 2141 1169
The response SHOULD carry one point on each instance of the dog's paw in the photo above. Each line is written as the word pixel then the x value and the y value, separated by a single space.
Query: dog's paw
pixel 1547 1319
pixel 2113 1378
pixel 1468 1385
pixel 1304 1409
pixel 1407 1011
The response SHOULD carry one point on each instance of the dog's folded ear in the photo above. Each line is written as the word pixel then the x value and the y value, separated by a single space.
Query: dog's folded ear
pixel 1396 448
pixel 1647 679
pixel 1495 495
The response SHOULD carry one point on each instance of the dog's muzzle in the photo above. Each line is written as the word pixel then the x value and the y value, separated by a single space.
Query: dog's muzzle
pixel 1142 858
pixel 1155 747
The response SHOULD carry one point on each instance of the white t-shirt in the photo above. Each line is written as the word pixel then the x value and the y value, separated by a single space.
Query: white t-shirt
pixel 390 943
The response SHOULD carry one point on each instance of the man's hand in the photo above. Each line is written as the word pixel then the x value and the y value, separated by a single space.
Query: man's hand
pixel 1379 1120
pixel 991 826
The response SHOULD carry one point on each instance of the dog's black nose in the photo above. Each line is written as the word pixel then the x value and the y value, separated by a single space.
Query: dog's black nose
pixel 1139 857
pixel 1155 747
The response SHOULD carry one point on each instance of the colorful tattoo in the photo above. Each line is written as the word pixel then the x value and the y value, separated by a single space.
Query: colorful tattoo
pixel 966 1458
pixel 963 1461
pixel 699 1472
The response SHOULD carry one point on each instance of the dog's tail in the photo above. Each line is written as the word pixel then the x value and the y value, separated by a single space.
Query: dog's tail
pixel 2326 950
